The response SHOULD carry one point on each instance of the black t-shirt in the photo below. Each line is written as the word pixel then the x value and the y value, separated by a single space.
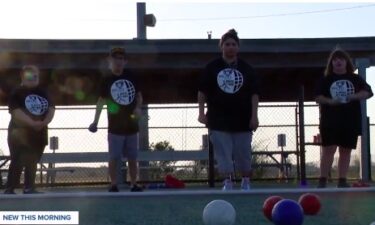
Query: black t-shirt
pixel 346 115
pixel 120 94
pixel 35 103
pixel 228 89
pixel 4 89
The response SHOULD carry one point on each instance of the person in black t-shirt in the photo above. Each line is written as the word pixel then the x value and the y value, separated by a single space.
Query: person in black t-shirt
pixel 121 93
pixel 338 94
pixel 230 88
pixel 31 111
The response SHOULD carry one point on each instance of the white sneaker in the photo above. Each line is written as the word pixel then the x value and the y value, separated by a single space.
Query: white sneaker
pixel 228 185
pixel 245 184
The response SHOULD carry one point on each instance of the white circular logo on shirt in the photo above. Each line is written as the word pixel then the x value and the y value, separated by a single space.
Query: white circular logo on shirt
pixel 341 89
pixel 36 104
pixel 123 92
pixel 230 80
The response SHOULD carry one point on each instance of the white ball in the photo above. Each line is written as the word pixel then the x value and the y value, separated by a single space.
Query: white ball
pixel 219 212
pixel 373 223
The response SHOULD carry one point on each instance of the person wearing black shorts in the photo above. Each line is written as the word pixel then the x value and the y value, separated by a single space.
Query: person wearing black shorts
pixel 339 94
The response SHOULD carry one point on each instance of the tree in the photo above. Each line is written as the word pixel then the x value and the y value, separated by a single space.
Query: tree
pixel 160 168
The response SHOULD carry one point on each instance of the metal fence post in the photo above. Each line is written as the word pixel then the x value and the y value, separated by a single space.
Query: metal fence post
pixel 365 167
pixel 211 163
pixel 369 148
pixel 297 146
pixel 302 135
pixel 144 144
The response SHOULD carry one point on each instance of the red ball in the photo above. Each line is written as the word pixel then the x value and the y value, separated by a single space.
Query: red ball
pixel 268 206
pixel 310 203
pixel 360 184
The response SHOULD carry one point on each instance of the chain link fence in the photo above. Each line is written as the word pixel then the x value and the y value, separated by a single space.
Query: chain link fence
pixel 175 128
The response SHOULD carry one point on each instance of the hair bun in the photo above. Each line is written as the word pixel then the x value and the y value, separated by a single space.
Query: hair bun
pixel 232 32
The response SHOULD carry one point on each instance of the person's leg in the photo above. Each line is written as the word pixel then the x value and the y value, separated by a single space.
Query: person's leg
pixel 348 141
pixel 112 165
pixel 242 156
pixel 115 146
pixel 326 161
pixel 133 171
pixel 15 170
pixel 31 160
pixel 329 140
pixel 223 149
pixel 131 153
pixel 343 164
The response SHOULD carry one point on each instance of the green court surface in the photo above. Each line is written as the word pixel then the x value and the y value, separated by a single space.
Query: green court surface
pixel 184 207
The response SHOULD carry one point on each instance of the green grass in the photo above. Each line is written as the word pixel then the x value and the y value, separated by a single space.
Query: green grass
pixel 350 208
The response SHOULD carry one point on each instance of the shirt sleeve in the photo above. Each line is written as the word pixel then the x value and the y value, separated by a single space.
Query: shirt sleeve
pixel 102 89
pixel 137 83
pixel 4 89
pixel 203 84
pixel 320 87
pixel 364 86
pixel 254 82
pixel 50 102
pixel 14 101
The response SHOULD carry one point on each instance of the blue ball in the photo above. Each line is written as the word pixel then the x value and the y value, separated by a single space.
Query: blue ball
pixel 287 212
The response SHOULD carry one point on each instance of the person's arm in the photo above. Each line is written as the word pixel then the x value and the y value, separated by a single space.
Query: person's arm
pixel 201 104
pixel 254 122
pixel 98 110
pixel 323 100
pixel 320 93
pixel 139 100
pixel 138 107
pixel 49 116
pixel 255 92
pixel 361 95
pixel 22 118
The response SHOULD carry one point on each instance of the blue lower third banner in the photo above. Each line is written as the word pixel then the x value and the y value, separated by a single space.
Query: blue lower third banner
pixel 39 217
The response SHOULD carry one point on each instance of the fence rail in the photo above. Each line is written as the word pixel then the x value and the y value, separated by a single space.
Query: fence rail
pixel 177 127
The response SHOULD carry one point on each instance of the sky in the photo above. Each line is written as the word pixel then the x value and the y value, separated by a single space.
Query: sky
pixel 116 19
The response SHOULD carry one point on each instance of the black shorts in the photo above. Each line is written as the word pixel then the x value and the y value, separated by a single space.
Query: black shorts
pixel 342 137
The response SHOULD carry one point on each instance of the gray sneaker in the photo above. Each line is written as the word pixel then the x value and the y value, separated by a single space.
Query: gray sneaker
pixel 245 184
pixel 228 185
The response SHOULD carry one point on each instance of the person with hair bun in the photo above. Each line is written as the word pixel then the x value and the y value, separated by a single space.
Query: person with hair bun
pixel 230 88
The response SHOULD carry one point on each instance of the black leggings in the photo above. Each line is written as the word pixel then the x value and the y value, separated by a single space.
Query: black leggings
pixel 23 157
